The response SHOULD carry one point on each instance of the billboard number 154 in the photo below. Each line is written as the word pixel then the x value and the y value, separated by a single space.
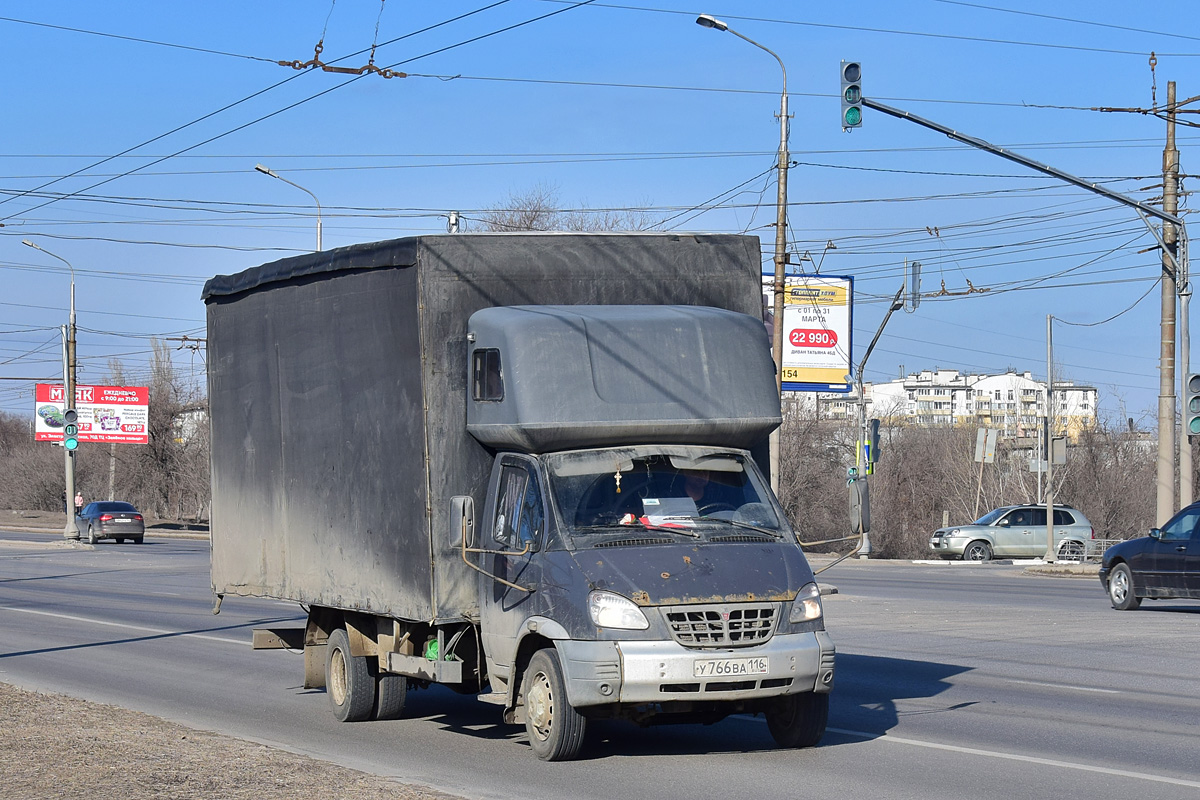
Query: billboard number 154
pixel 806 337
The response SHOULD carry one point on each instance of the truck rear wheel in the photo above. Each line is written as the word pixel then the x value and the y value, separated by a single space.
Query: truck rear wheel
pixel 556 730
pixel 391 691
pixel 348 680
pixel 798 720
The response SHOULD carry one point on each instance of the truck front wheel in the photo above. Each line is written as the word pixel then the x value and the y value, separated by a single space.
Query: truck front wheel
pixel 556 730
pixel 798 720
pixel 348 680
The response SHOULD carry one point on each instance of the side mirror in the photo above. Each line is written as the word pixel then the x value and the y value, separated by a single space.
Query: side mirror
pixel 462 521
pixel 1156 533
pixel 1004 523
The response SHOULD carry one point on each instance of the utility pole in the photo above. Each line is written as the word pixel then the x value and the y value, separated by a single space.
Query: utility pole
pixel 1184 289
pixel 1165 480
pixel 1051 555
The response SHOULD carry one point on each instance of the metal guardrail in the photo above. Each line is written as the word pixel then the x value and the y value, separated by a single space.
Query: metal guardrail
pixel 1096 548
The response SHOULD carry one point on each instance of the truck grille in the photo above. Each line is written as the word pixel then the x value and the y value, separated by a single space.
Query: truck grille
pixel 721 625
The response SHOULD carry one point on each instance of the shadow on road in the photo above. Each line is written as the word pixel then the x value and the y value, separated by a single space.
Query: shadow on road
pixel 865 699
pixel 868 688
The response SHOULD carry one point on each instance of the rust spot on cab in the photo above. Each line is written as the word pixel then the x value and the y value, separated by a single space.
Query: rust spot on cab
pixel 666 575
pixel 687 560
pixel 641 598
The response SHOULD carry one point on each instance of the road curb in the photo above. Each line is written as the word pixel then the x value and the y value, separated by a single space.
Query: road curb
pixel 150 533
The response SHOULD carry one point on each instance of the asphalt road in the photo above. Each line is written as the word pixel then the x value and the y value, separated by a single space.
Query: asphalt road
pixel 965 681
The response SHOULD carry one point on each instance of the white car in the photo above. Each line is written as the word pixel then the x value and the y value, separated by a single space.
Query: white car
pixel 1015 532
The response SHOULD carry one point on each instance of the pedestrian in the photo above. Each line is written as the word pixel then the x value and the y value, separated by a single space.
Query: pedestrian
pixel 78 503
pixel 64 501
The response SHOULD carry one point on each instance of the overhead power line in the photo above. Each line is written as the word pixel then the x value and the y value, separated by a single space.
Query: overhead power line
pixel 893 32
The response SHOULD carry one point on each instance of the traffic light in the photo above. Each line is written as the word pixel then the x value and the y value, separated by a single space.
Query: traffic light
pixel 1191 407
pixel 70 429
pixel 851 95
pixel 872 445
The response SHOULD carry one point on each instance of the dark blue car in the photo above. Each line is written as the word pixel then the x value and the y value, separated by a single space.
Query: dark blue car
pixel 1163 565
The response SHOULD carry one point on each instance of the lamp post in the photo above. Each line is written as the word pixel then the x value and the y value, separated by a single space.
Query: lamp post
pixel 70 531
pixel 781 259
pixel 263 169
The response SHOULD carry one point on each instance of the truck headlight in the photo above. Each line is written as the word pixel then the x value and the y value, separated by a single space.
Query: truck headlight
pixel 610 610
pixel 807 605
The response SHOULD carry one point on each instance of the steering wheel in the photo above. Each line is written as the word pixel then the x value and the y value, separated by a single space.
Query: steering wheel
pixel 714 507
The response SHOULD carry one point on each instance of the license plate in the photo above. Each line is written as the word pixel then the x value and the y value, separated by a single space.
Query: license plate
pixel 122 520
pixel 720 667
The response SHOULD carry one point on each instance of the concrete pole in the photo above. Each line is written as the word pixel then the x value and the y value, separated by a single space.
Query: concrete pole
pixel 1165 465
pixel 780 270
pixel 1171 239
pixel 71 531
pixel 1051 555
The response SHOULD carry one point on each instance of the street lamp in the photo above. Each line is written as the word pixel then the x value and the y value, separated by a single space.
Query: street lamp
pixel 70 531
pixel 263 169
pixel 708 21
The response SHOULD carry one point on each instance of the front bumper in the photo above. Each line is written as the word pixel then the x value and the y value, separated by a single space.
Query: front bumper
pixel 947 545
pixel 638 672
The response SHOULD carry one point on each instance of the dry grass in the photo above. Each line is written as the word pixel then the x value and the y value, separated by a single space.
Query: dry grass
pixel 55 747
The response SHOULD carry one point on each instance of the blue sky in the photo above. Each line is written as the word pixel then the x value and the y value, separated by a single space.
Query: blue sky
pixel 611 106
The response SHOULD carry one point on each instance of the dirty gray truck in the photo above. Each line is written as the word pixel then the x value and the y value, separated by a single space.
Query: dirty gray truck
pixel 529 466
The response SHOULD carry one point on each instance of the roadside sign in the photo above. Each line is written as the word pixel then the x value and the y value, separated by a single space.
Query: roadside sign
pixel 817 311
pixel 104 413
pixel 985 445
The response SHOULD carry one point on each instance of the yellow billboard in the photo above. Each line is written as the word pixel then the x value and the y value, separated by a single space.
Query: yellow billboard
pixel 816 333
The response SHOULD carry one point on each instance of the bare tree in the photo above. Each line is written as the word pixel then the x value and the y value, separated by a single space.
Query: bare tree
pixel 539 209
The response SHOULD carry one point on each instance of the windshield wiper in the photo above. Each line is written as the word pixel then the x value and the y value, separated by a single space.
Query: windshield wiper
pixel 629 527
pixel 747 525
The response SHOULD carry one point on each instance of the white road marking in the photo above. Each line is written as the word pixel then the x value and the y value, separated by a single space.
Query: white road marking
pixel 1049 762
pixel 138 628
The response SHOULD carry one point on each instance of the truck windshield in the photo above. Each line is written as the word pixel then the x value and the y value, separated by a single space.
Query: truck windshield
pixel 703 493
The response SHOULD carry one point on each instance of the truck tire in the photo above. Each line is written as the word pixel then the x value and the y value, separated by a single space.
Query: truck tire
pixel 798 720
pixel 391 691
pixel 556 730
pixel 348 680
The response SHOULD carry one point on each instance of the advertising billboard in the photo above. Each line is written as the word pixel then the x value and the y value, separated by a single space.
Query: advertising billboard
pixel 106 413
pixel 817 312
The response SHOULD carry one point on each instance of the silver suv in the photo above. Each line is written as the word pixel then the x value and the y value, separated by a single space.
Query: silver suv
pixel 1015 532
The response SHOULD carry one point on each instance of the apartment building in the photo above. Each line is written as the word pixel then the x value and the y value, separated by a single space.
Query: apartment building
pixel 1013 401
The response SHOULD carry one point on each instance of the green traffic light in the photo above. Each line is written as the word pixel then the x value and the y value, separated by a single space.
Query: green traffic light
pixel 1194 426
pixel 853 116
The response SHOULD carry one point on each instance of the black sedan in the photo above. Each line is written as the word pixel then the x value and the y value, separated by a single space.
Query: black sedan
pixel 111 519
pixel 1163 565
